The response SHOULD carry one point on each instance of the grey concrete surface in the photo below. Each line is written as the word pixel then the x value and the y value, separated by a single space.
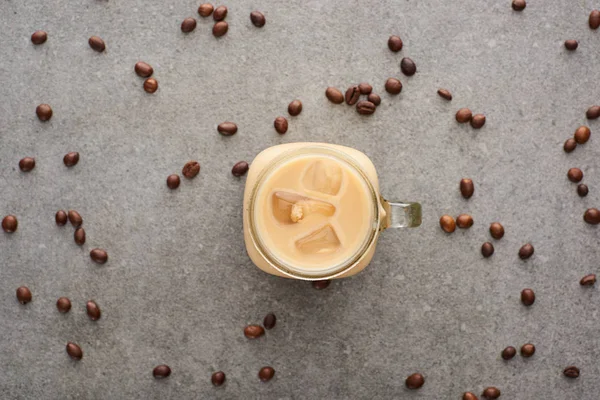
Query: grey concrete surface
pixel 179 288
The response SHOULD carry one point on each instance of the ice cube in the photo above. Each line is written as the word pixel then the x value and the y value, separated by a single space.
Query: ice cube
pixel 323 176
pixel 322 241
pixel 291 207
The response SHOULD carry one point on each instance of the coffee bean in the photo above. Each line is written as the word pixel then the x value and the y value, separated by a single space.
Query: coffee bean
pixel 365 88
pixel 487 249
pixel 463 115
pixel 352 95
pixel 464 221
pixel 334 95
pixel 582 190
pixel 220 28
pixel 322 284
pixel 9 224
pixel 188 25
pixel 571 372
pixel 27 164
pixel 240 168
pixel 173 181
pixel 44 112
pixel 491 393
pixel 161 371
pixel 74 351
pixel 191 169
pixel 93 311
pixel 496 230
pixel 266 374
pixel 588 280
pixel 593 112
pixel 592 216
pixel 526 251
pixel 467 188
pixel 393 86
pixel 575 175
pixel 71 159
pixel 415 381
pixel 295 108
pixel 582 134
pixel 63 304
pixel 254 331
pixel 527 350
pixel 258 19
pixel 519 5
pixel 374 98
pixel 227 128
pixel 150 85
pixel 569 145
pixel 99 256
pixel 469 396
pixel 220 13
pixel 594 20
pixel 218 378
pixel 365 107
pixel 408 66
pixel 395 43
pixel 445 94
pixel 61 218
pixel 281 125
pixel 269 321
pixel 478 121
pixel 205 9
pixel 447 224
pixel 571 44
pixel 79 236
pixel 75 218
pixel 97 44
pixel 508 353
pixel 39 37
pixel 24 295
pixel 527 297
pixel 143 70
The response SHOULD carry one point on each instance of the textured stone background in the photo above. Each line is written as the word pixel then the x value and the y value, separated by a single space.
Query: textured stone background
pixel 179 288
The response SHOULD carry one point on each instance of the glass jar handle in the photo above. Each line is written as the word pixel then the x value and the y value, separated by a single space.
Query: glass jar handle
pixel 401 215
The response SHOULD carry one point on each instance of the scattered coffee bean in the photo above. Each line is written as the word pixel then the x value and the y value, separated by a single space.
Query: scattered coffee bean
pixel 491 393
pixel 352 95
pixel 445 94
pixel 365 88
pixel 97 44
pixel 99 256
pixel 575 175
pixel 334 95
pixel 254 331
pixel 143 70
pixel 322 284
pixel 519 5
pixel 365 107
pixel 75 218
pixel 27 164
pixel 570 145
pixel 63 304
pixel 44 112
pixel 74 351
pixel 582 190
pixel 527 350
pixel 393 86
pixel 205 9
pixel 588 280
pixel 173 181
pixel 463 115
pixel 24 295
pixel 220 28
pixel 227 128
pixel 415 381
pixel 188 25
pixel 9 224
pixel 71 159
pixel 571 372
pixel 61 218
pixel 487 249
pixel 93 311
pixel 592 216
pixel 526 251
pixel 464 221
pixel 269 321
pixel 374 98
pixel 191 169
pixel 240 168
pixel 161 371
pixel 39 37
pixel 258 19
pixel 582 134
pixel 469 396
pixel 593 112
pixel 527 297
pixel 220 13
pixel 509 353
pixel 295 108
pixel 447 223
pixel 408 66
pixel 79 236
pixel 266 374
pixel 571 44
pixel 467 188
pixel 478 121
pixel 395 43
pixel 218 378
pixel 150 85
pixel 594 20
pixel 281 125
pixel 496 230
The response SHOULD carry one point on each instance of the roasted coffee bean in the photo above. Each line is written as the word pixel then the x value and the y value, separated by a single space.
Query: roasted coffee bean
pixel 79 236
pixel 27 164
pixel 75 218
pixel 352 95
pixel 571 44
pixel 295 108
pixel 365 88
pixel 469 396
pixel 150 85
pixel 527 297
pixel 218 378
pixel 144 70
pixel 205 9
pixel 393 86
pixel 592 216
pixel 487 249
pixel 463 115
pixel 188 25
pixel 334 95
pixel 447 223
pixel 519 5
pixel 97 44
pixel 526 251
pixel 227 128
pixel 496 230
pixel 240 168
pixel 467 188
pixel 588 280
pixel 9 224
pixel 575 175
pixel 569 145
pixel 258 19
pixel 74 351
pixel 464 221
pixel 374 98
pixel 99 256
pixel 269 321
pixel 508 353
pixel 266 374
pixel 365 107
pixel 582 134
pixel 61 218
pixel 173 181
pixel 582 190
pixel 281 125
pixel 415 381
pixel 44 112
pixel 491 393
pixel 93 311
pixel 71 159
pixel 220 28
pixel 63 304
pixel 594 20
pixel 527 350
pixel 24 295
pixel 322 284
pixel 571 372
pixel 220 13
pixel 161 371
pixel 445 94
pixel 408 66
pixel 395 43
pixel 191 169
pixel 478 121
pixel 39 37
pixel 593 112
pixel 254 331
